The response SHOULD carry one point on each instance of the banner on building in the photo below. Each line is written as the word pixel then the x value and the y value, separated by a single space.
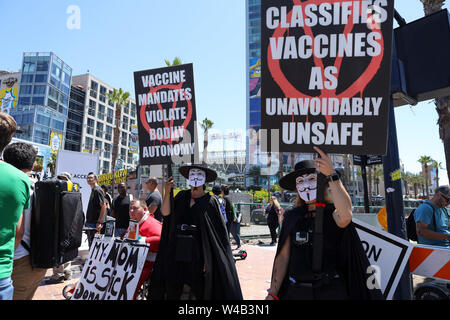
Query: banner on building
pixel 255 77
pixel 326 74
pixel 112 270
pixel 119 177
pixel 166 115
pixel 56 139
pixel 8 99
pixel 388 255
pixel 134 139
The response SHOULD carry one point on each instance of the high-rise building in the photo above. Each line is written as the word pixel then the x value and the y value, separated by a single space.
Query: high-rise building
pixel 43 98
pixel 99 123
pixel 75 119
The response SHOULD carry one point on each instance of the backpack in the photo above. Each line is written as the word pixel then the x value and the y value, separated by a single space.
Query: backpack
pixel 222 208
pixel 57 221
pixel 411 232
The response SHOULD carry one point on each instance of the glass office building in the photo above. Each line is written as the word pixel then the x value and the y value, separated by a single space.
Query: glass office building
pixel 43 100
pixel 74 127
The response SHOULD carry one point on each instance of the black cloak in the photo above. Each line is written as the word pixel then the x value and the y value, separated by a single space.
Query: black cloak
pixel 221 281
pixel 351 259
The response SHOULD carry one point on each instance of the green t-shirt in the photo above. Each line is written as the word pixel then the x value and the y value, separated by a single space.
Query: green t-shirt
pixel 14 198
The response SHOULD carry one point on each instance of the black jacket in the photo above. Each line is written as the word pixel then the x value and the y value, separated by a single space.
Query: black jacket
pixel 221 281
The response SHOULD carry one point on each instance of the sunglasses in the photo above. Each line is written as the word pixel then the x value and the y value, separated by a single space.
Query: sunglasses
pixel 444 196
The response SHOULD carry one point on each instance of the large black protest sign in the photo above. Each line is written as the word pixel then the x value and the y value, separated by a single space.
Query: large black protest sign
pixel 166 114
pixel 326 74
pixel 112 270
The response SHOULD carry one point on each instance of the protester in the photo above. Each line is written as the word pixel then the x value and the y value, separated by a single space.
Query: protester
pixel 217 191
pixel 96 212
pixel 14 198
pixel 154 198
pixel 433 220
pixel 343 261
pixel 149 232
pixel 273 212
pixel 231 214
pixel 64 271
pixel 25 278
pixel 108 199
pixel 121 210
pixel 194 261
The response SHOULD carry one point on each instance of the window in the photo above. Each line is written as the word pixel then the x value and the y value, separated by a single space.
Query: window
pixel 107 153
pixel 38 100
pixel 39 90
pixel 125 123
pixel 64 100
pixel 109 102
pixel 25 90
pixel 58 124
pixel 126 109
pixel 94 89
pixel 66 79
pixel 108 134
pixel 98 145
pixel 102 97
pixel 101 112
pixel 133 110
pixel 27 78
pixel 42 65
pixel 110 116
pixel 65 89
pixel 41 135
pixel 124 138
pixel 56 71
pixel 90 126
pixel 41 78
pixel 43 119
pixel 92 107
pixel 29 67
pixel 88 143
pixel 52 104
pixel 54 81
pixel 106 166
pixel 99 132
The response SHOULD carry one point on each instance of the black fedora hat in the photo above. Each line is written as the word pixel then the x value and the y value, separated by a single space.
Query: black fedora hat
pixel 303 167
pixel 211 175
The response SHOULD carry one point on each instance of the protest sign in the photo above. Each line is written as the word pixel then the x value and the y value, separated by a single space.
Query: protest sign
pixel 388 255
pixel 166 107
pixel 326 74
pixel 112 270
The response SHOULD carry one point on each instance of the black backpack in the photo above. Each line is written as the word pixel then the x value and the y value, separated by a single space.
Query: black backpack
pixel 411 232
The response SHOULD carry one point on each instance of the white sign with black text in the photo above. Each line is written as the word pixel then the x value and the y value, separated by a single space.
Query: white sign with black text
pixel 387 253
pixel 112 270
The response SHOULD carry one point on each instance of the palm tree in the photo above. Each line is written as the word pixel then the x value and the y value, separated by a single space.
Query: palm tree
pixel 51 164
pixel 206 125
pixel 120 98
pixel 407 178
pixel 442 103
pixel 437 165
pixel 425 161
pixel 176 62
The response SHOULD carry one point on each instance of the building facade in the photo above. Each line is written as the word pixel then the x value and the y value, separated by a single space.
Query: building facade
pixel 43 97
pixel 75 119
pixel 99 121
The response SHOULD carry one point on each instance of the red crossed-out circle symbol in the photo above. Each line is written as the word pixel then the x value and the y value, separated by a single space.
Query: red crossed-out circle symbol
pixel 357 87
pixel 167 124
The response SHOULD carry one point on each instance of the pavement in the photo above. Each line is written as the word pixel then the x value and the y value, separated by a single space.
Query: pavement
pixel 254 272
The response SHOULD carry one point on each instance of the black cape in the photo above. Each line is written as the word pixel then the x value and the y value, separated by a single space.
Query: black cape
pixel 352 259
pixel 221 281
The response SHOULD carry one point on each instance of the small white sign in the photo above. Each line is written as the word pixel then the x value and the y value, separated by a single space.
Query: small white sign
pixel 387 253
pixel 112 270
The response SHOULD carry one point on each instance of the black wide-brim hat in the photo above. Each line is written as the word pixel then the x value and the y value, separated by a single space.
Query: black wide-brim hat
pixel 211 175
pixel 303 167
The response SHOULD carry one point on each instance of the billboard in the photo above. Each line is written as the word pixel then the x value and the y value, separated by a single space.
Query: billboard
pixel 166 114
pixel 8 99
pixel 78 164
pixel 134 139
pixel 56 139
pixel 326 74
pixel 255 77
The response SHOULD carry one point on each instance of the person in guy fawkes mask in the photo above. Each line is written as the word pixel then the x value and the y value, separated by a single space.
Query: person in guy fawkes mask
pixel 343 263
pixel 194 261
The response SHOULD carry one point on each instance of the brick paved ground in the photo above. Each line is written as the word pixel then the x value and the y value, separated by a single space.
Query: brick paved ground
pixel 254 273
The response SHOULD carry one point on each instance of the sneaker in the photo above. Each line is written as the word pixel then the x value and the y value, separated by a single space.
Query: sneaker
pixel 55 280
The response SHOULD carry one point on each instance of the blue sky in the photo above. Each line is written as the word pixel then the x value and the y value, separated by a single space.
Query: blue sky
pixel 119 37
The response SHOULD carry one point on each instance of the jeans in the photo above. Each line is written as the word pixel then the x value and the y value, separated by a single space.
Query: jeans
pixel 91 233
pixel 234 233
pixel 6 289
